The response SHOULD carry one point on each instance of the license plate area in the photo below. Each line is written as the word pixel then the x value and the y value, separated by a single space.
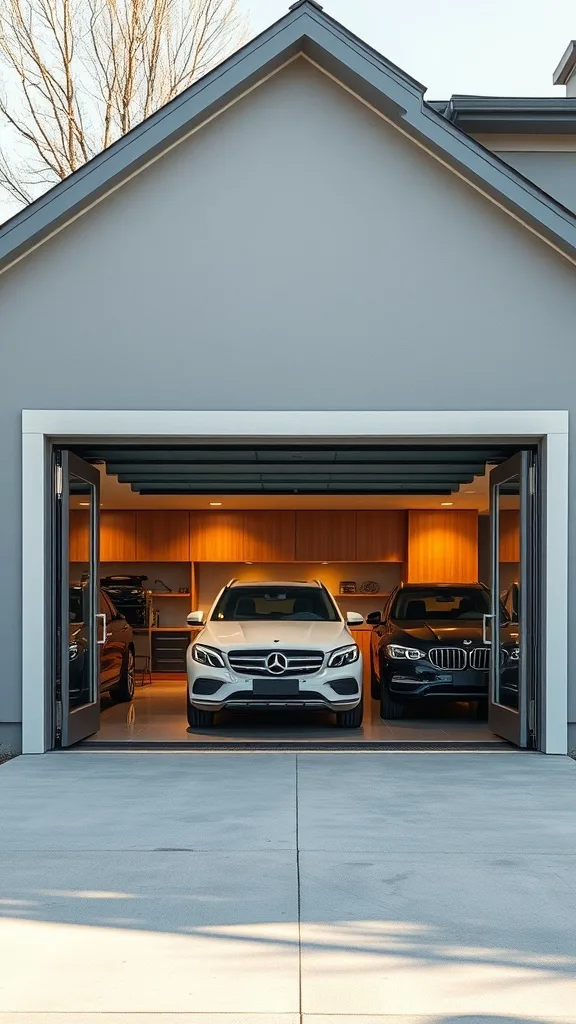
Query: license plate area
pixel 275 687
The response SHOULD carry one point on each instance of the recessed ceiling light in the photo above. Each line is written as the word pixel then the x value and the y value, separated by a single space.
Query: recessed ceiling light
pixel 325 563
pixel 85 504
pixel 215 504
pixel 248 563
pixel 446 502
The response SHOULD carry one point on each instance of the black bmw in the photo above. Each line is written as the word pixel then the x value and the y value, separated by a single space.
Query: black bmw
pixel 428 645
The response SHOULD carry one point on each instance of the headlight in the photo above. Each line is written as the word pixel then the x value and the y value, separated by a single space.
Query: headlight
pixel 72 651
pixel 515 654
pixel 398 653
pixel 344 656
pixel 207 656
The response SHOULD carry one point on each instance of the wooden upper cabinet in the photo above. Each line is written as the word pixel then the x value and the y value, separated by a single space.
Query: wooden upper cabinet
pixel 217 536
pixel 442 546
pixel 509 535
pixel 117 536
pixel 381 536
pixel 163 536
pixel 269 536
pixel 79 535
pixel 325 536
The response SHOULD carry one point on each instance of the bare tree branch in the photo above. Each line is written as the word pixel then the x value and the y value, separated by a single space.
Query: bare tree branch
pixel 75 75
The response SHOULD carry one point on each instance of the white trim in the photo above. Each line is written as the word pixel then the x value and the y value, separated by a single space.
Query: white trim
pixel 82 423
pixel 555 738
pixel 505 426
pixel 33 593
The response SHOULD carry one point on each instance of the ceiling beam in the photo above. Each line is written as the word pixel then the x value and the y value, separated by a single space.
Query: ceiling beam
pixel 371 469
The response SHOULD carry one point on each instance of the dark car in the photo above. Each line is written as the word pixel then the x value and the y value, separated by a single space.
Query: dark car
pixel 429 645
pixel 117 662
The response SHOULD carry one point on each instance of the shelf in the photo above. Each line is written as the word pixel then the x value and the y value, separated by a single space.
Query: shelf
pixel 360 595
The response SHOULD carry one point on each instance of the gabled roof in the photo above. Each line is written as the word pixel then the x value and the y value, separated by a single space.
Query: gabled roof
pixel 307 30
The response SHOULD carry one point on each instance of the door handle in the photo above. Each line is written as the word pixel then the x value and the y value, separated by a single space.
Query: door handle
pixel 485 620
pixel 102 615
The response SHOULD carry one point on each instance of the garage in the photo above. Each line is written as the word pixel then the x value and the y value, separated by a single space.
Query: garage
pixel 333 594
pixel 304 293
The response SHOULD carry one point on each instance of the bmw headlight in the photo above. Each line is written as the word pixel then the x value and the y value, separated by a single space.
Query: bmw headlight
pixel 344 656
pixel 515 654
pixel 207 656
pixel 72 651
pixel 399 653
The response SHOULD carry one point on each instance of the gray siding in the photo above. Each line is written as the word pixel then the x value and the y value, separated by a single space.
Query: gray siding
pixel 298 253
pixel 553 172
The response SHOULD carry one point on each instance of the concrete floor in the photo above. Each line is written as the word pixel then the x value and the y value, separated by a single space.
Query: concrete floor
pixel 158 713
pixel 155 888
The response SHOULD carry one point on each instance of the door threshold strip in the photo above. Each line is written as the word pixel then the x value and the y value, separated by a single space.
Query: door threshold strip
pixel 463 746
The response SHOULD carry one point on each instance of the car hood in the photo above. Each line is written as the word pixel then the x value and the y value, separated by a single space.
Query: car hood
pixel 280 635
pixel 445 633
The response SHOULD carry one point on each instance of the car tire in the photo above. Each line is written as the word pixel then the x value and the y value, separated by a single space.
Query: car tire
pixel 389 709
pixel 374 682
pixel 198 719
pixel 123 692
pixel 350 719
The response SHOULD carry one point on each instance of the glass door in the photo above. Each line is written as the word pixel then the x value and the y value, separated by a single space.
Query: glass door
pixel 512 626
pixel 78 622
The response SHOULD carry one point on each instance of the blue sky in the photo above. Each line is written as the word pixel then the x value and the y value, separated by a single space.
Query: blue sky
pixel 497 47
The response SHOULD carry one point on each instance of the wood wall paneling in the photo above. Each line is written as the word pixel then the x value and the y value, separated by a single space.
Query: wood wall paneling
pixel 509 535
pixel 117 536
pixel 269 536
pixel 381 536
pixel 163 536
pixel 78 535
pixel 217 536
pixel 326 536
pixel 442 546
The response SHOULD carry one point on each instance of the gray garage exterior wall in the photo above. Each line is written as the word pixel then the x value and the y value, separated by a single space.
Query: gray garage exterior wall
pixel 297 253
pixel 553 172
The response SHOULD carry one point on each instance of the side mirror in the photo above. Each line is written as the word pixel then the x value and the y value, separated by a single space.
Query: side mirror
pixel 374 618
pixel 195 619
pixel 354 619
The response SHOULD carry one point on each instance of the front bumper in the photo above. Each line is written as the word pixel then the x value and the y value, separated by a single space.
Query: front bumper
pixel 406 680
pixel 315 692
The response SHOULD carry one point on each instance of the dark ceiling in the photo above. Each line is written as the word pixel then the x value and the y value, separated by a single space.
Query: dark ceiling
pixel 268 469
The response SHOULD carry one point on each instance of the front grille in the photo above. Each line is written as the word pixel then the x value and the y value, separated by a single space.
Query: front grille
pixel 254 663
pixel 451 658
pixel 480 658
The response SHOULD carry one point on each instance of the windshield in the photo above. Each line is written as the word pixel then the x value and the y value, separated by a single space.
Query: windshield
pixel 430 603
pixel 274 604
pixel 75 607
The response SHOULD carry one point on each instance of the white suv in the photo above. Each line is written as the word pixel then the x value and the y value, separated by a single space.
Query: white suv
pixel 274 645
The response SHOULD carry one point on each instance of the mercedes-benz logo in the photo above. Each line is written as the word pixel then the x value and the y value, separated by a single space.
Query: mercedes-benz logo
pixel 277 663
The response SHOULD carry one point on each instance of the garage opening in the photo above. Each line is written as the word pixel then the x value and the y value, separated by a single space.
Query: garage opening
pixel 336 594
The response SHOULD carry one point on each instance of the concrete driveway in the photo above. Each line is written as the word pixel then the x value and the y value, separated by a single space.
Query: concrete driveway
pixel 281 889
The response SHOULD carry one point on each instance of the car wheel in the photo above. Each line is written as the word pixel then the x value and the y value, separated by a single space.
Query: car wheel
pixel 198 719
pixel 389 709
pixel 350 719
pixel 123 692
pixel 374 682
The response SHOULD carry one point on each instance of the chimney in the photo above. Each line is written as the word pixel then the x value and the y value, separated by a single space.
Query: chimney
pixel 565 73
